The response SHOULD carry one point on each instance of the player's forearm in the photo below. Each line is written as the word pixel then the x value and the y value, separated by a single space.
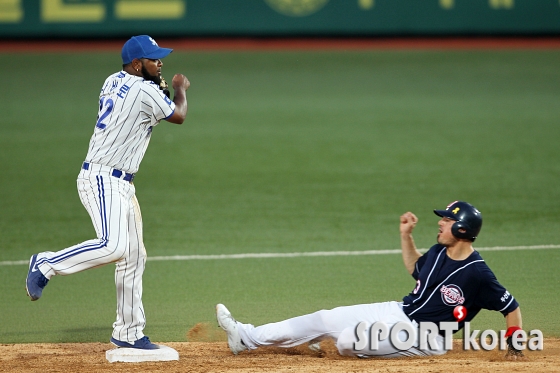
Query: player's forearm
pixel 514 318
pixel 180 100
pixel 180 84
pixel 409 252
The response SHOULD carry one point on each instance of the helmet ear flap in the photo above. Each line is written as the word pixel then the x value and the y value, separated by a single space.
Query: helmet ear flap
pixel 467 219
pixel 456 231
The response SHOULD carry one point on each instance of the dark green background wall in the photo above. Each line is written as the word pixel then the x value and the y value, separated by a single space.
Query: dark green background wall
pixel 100 18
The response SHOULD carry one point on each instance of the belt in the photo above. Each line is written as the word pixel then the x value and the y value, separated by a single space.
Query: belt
pixel 116 173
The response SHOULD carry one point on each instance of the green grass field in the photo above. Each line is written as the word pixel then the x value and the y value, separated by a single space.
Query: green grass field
pixel 285 152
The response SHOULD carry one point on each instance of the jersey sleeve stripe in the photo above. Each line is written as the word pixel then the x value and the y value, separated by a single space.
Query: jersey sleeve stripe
pixel 511 300
pixel 169 116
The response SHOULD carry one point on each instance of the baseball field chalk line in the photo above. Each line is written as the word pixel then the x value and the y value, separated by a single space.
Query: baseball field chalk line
pixel 304 254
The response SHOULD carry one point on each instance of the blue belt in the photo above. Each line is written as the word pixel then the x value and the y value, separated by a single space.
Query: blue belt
pixel 116 173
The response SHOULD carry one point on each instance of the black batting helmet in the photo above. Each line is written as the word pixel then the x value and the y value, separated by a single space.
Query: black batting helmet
pixel 467 218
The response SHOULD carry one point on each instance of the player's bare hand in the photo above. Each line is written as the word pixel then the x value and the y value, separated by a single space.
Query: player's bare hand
pixel 408 222
pixel 180 82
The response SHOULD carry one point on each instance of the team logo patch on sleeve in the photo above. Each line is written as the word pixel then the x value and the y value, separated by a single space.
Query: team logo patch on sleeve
pixel 452 295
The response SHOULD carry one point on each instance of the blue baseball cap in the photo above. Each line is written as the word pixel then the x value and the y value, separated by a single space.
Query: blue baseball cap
pixel 142 46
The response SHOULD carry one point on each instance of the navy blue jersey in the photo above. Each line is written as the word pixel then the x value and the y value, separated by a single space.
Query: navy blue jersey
pixel 443 283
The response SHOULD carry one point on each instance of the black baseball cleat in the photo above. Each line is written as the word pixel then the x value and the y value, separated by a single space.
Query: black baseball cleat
pixel 36 281
pixel 142 344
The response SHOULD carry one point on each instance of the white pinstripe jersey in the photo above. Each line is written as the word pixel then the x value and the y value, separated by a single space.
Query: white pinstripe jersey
pixel 129 107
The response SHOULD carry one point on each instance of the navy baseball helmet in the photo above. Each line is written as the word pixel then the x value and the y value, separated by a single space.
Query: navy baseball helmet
pixel 467 218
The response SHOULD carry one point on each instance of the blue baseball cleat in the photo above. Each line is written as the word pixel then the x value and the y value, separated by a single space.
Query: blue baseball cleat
pixel 142 343
pixel 36 281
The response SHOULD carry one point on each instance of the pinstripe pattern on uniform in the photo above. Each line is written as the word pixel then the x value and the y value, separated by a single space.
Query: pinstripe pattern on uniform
pixel 104 197
pixel 137 106
pixel 107 93
pixel 129 107
pixel 88 245
pixel 99 139
pixel 115 212
pixel 103 136
pixel 131 318
pixel 118 151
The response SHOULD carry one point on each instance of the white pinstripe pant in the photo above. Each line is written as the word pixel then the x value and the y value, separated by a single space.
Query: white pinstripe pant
pixel 112 205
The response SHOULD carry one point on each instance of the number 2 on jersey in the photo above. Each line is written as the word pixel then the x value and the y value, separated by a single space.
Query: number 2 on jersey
pixel 108 105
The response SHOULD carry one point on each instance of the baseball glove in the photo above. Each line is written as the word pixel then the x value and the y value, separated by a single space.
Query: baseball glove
pixel 164 87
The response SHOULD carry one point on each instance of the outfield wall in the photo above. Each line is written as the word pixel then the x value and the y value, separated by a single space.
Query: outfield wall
pixel 118 18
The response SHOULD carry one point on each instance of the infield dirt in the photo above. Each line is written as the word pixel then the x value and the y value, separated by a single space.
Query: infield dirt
pixel 216 357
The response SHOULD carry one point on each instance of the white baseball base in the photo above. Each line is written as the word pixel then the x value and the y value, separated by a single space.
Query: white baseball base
pixel 135 355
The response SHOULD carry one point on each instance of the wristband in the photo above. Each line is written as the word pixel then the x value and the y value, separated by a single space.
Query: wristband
pixel 511 330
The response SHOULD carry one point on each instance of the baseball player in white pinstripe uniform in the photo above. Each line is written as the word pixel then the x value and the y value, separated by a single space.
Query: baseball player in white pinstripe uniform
pixel 131 103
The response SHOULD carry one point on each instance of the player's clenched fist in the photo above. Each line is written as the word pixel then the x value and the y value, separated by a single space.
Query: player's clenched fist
pixel 180 82
pixel 408 222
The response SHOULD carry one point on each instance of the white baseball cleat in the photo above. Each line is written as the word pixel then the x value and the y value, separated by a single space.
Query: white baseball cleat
pixel 228 323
